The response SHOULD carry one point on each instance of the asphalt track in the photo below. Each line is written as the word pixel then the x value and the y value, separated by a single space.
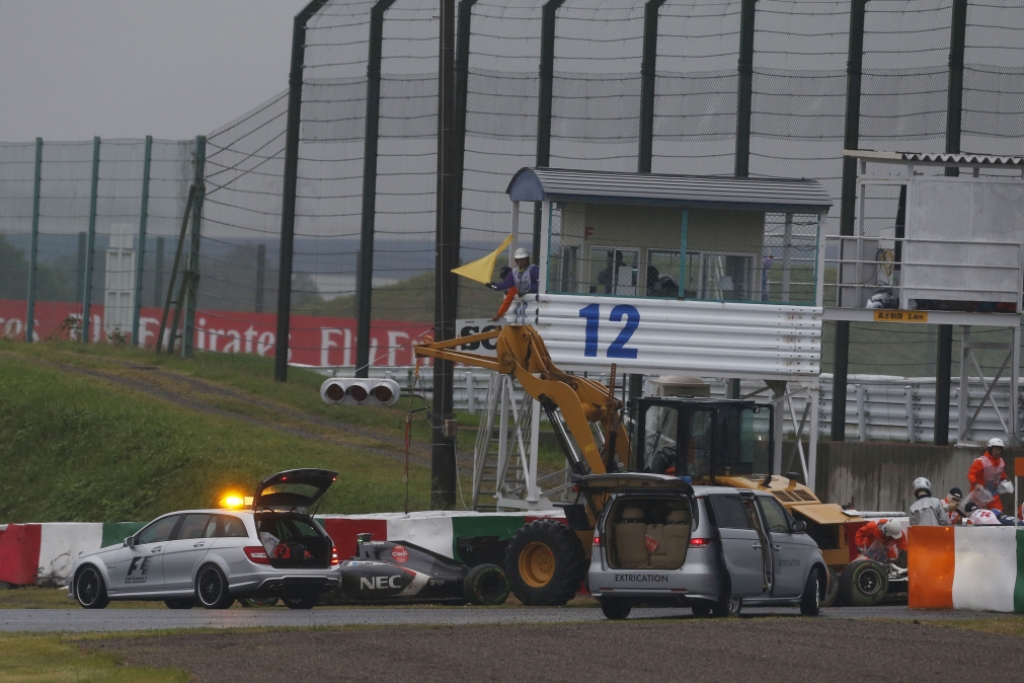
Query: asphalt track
pixel 79 620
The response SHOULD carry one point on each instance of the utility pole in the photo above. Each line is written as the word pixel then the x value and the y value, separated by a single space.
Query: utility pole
pixel 544 97
pixel 291 177
pixel 648 73
pixel 443 471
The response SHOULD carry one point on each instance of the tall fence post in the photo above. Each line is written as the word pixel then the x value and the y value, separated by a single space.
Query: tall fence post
pixel 547 80
pixel 90 242
pixel 364 266
pixel 140 254
pixel 443 471
pixel 33 258
pixel 261 276
pixel 648 73
pixel 158 272
pixel 291 176
pixel 463 33
pixel 954 117
pixel 851 140
pixel 745 89
pixel 192 269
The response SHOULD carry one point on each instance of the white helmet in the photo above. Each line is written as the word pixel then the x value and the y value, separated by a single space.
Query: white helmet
pixel 1005 486
pixel 893 529
pixel 996 442
pixel 521 253
pixel 922 483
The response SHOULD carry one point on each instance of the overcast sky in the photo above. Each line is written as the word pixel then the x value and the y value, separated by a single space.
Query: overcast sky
pixel 72 69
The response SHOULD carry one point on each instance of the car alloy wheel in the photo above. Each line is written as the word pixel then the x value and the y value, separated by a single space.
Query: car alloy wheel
pixel 212 588
pixel 89 589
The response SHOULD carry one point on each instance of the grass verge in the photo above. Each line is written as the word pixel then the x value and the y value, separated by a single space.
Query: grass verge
pixel 30 658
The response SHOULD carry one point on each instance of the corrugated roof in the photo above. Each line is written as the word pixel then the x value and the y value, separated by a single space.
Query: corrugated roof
pixel 959 159
pixel 724 192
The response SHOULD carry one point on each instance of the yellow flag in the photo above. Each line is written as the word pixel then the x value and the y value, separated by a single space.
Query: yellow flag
pixel 482 270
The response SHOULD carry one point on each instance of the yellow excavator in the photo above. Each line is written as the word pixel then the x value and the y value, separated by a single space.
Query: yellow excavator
pixel 727 443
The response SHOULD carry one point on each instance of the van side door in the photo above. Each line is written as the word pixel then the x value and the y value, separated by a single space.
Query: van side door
pixel 741 545
pixel 791 556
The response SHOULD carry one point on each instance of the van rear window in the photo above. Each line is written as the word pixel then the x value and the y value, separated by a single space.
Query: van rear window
pixel 729 512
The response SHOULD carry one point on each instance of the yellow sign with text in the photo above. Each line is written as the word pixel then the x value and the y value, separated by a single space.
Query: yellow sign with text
pixel 886 316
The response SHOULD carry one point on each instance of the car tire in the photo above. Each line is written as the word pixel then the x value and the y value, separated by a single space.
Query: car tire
pixel 180 603
pixel 832 593
pixel 545 564
pixel 212 588
pixel 728 607
pixel 702 610
pixel 864 583
pixel 90 590
pixel 615 609
pixel 486 584
pixel 301 601
pixel 810 601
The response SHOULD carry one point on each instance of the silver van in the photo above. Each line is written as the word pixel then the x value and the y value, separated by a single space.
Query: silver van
pixel 663 543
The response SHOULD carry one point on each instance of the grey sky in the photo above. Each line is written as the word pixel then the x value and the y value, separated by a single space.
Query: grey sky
pixel 72 69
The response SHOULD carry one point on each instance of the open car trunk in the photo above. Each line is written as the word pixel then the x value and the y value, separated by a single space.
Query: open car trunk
pixel 293 541
pixel 648 533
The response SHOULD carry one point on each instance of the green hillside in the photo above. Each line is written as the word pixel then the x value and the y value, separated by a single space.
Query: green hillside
pixel 100 433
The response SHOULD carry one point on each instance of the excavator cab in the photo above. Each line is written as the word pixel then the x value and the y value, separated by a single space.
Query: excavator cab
pixel 701 438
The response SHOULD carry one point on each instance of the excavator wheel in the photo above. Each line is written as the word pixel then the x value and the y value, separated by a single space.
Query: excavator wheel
pixel 545 564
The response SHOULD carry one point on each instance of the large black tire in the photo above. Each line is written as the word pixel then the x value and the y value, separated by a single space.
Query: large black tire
pixel 864 583
pixel 90 591
pixel 302 601
pixel 810 601
pixel 486 584
pixel 615 609
pixel 832 593
pixel 212 588
pixel 180 603
pixel 545 564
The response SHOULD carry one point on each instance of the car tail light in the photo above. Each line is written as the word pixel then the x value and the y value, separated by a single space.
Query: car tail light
pixel 257 554
pixel 597 541
pixel 334 556
pixel 699 542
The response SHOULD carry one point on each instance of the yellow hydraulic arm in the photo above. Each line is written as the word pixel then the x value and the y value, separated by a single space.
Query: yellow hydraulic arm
pixel 522 354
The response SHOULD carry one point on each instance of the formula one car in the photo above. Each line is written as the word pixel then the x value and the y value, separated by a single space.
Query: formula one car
pixel 400 572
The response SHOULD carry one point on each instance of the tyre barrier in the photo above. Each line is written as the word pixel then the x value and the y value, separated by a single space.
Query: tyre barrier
pixel 973 568
pixel 43 554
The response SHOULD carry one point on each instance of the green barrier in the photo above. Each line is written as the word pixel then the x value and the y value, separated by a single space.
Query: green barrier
pixel 114 533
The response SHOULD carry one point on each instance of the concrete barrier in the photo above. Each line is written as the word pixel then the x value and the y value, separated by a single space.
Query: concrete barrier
pixel 43 554
pixel 975 568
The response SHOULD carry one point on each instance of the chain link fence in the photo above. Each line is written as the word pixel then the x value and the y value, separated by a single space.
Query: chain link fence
pixel 799 95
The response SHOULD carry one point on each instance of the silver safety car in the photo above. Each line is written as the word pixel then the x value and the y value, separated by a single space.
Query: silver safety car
pixel 271 548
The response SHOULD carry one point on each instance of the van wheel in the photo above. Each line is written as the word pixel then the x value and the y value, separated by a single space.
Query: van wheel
pixel 486 584
pixel 832 593
pixel 180 603
pixel 545 564
pixel 615 609
pixel 810 601
pixel 302 601
pixel 864 583
pixel 212 588
pixel 702 610
pixel 90 591
pixel 728 607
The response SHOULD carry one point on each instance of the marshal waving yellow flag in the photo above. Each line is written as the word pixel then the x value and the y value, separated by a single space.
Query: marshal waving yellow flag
pixel 482 270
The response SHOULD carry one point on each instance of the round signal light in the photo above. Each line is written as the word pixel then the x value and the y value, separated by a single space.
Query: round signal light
pixel 358 393
pixel 334 392
pixel 383 393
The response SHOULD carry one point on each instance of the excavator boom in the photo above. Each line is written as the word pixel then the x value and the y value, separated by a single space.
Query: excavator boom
pixel 581 401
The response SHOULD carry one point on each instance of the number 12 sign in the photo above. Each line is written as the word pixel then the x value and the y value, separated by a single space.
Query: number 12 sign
pixel 618 348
